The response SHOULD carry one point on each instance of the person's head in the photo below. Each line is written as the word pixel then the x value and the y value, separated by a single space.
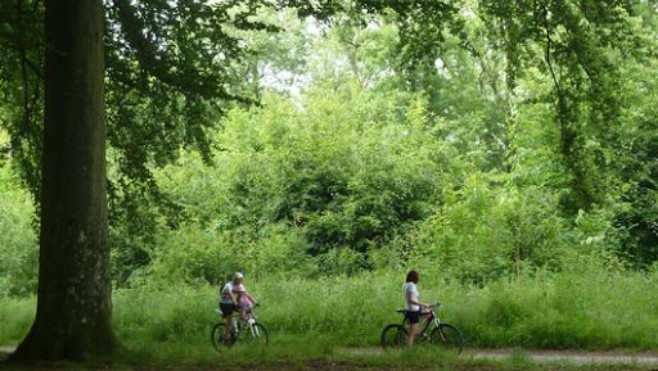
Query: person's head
pixel 237 278
pixel 412 276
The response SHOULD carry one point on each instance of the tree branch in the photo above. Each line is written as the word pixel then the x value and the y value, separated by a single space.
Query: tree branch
pixel 158 64
pixel 23 57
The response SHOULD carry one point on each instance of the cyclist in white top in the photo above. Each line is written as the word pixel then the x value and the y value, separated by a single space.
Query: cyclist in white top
pixel 231 296
pixel 412 305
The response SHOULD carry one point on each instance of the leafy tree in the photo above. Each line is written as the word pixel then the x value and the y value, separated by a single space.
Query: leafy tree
pixel 74 303
pixel 420 121
pixel 579 47
pixel 173 56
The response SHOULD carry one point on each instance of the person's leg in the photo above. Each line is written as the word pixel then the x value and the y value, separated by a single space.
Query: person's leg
pixel 227 326
pixel 413 318
pixel 227 310
pixel 412 334
pixel 243 312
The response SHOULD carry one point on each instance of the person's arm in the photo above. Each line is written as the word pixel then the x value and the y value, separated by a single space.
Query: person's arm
pixel 251 298
pixel 407 295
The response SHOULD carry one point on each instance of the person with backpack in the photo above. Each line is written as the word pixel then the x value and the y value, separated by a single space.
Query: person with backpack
pixel 235 298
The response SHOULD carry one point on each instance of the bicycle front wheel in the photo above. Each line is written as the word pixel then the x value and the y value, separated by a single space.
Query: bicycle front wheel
pixel 448 337
pixel 394 336
pixel 257 334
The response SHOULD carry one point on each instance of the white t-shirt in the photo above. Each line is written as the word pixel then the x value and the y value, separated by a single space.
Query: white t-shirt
pixel 410 288
pixel 229 289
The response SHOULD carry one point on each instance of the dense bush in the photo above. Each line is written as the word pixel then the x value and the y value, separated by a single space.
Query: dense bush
pixel 481 233
pixel 337 187
pixel 19 251
pixel 333 181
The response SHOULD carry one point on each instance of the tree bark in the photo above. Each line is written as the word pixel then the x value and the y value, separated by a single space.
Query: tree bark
pixel 73 319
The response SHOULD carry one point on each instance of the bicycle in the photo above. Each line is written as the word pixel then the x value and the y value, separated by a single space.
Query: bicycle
pixel 255 332
pixel 433 331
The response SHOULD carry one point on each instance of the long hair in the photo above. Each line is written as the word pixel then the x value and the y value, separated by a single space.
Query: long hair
pixel 412 276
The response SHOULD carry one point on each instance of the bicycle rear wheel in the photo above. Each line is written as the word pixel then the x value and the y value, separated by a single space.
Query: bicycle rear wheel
pixel 219 339
pixel 449 337
pixel 257 334
pixel 394 336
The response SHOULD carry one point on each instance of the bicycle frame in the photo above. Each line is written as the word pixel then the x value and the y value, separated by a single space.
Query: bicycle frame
pixel 431 317
pixel 249 321
pixel 240 325
pixel 431 330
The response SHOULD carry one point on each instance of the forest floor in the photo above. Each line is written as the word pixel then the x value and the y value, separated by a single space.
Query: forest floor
pixel 375 359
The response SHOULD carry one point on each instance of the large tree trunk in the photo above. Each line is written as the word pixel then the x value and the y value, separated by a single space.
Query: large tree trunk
pixel 74 296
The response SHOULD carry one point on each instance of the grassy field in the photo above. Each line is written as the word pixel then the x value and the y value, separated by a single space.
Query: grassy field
pixel 595 310
pixel 313 322
pixel 564 311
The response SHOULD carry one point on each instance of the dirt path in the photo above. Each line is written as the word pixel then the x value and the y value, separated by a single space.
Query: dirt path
pixel 569 356
pixel 540 356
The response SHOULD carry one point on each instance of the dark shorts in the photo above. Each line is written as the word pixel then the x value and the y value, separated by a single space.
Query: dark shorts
pixel 412 317
pixel 227 309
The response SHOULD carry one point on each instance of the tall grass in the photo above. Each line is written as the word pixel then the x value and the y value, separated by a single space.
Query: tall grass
pixel 16 316
pixel 595 309
pixel 588 310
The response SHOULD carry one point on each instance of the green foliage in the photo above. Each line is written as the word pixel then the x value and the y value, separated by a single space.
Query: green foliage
pixel 333 176
pixel 363 172
pixel 18 243
pixel 581 48
pixel 634 160
pixel 507 149
pixel 194 255
pixel 16 314
pixel 481 234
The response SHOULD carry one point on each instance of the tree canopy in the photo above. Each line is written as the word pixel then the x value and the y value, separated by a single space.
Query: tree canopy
pixel 331 137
